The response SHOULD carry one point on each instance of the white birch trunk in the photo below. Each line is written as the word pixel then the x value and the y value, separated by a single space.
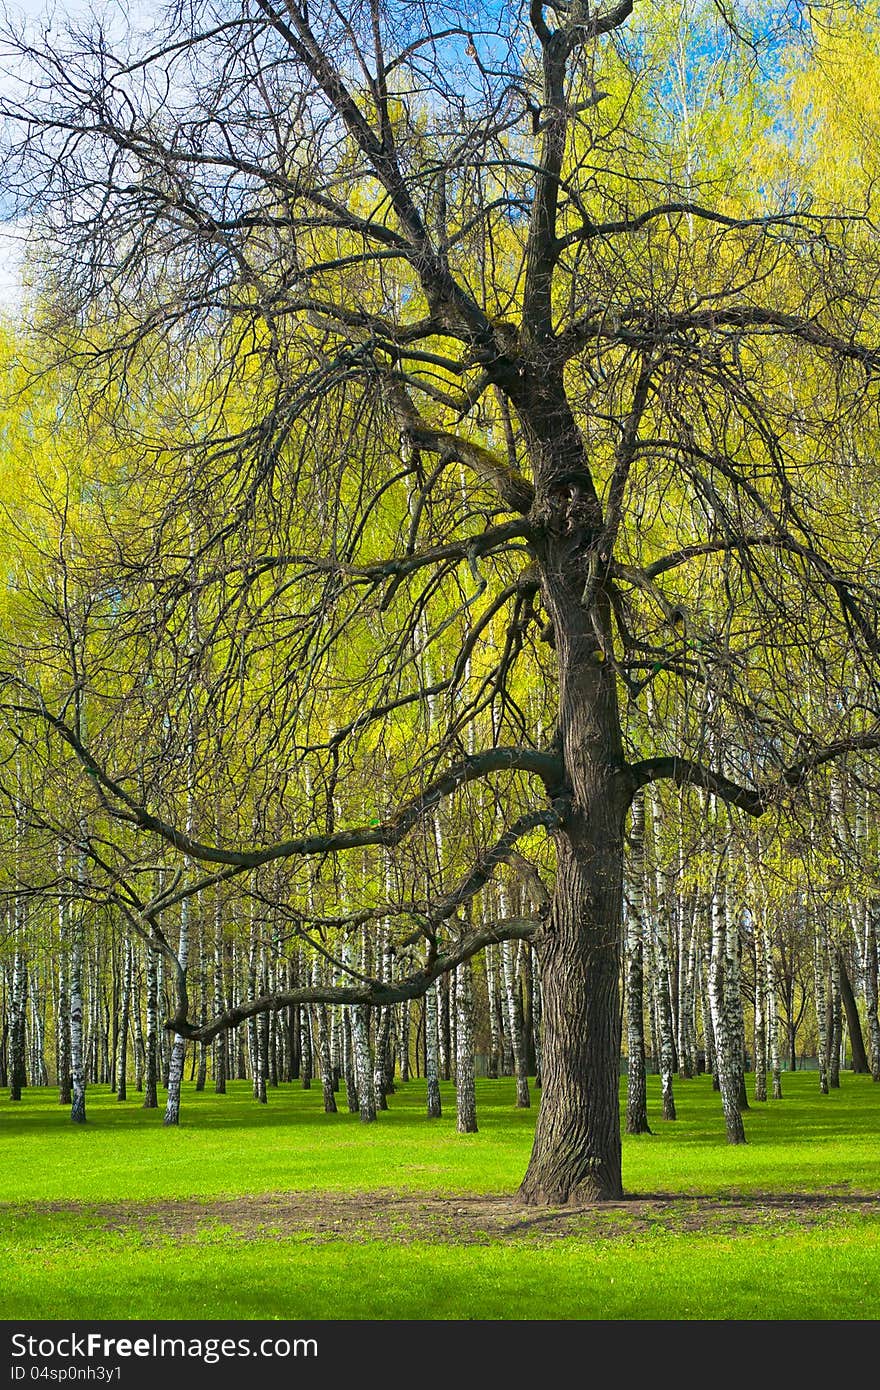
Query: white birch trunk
pixel 18 1002
pixel 124 1017
pixel 63 1027
pixel 835 1031
pixel 178 1050
pixel 760 1037
pixel 820 994
pixel 221 1042
pixel 665 1034
pixel 363 1063
pixel 432 1072
pixel 465 1087
pixel 538 1017
pixel 636 1084
pixel 151 1057
pixel 723 1025
pixel 77 1052
pixel 870 986
pixel 513 1011
pixel 323 1036
pixel 405 1028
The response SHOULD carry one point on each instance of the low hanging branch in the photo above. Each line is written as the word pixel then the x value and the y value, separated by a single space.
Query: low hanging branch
pixel 545 765
pixel 685 772
pixel 372 992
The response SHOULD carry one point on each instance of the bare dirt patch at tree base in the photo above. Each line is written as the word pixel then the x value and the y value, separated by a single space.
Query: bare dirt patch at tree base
pixel 470 1220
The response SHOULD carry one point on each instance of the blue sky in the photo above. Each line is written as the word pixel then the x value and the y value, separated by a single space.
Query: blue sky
pixel 134 11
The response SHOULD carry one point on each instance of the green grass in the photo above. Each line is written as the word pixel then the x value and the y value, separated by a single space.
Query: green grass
pixel 65 1264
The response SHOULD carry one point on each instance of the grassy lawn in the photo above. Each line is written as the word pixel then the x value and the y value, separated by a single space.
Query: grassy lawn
pixel 68 1249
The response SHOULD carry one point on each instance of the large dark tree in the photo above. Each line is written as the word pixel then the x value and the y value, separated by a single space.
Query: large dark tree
pixel 475 340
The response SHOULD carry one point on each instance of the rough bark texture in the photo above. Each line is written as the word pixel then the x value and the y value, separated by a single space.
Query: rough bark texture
pixel 577 1148
pixel 577 1152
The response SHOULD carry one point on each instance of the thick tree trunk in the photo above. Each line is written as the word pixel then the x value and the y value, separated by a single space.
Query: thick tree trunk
pixel 576 1156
